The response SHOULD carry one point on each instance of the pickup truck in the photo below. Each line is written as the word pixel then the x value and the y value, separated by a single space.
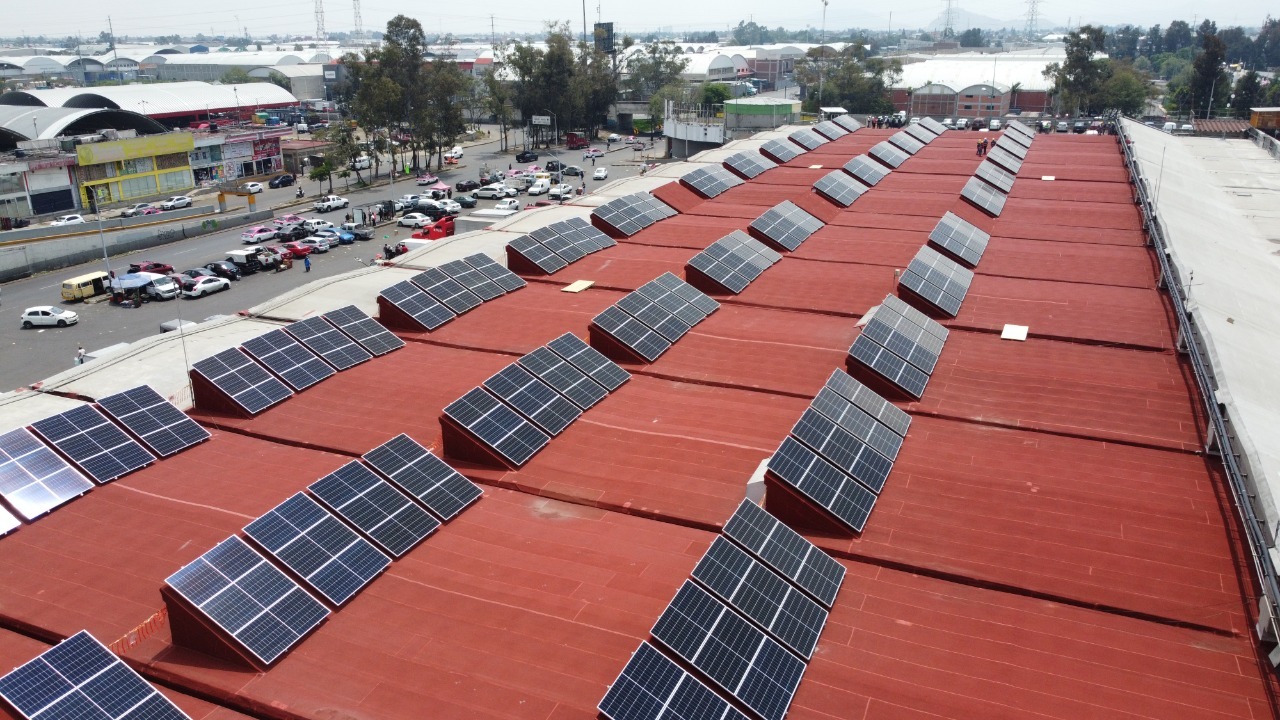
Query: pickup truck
pixel 330 202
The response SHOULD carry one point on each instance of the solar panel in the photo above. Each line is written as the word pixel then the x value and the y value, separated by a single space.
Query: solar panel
pixel 690 294
pixel 824 484
pixel 538 254
pixel 286 357
pixel 839 188
pixel 840 448
pixel 424 476
pixel 500 275
pixel 1017 126
pixel 497 426
pixel 889 366
pixel 919 133
pixel 94 443
pixel 983 196
pixel 924 322
pixel 960 238
pixel 35 479
pixel 165 429
pixel 998 177
pixel 725 274
pixel 589 360
pixel 256 604
pixel 866 170
pixel 905 142
pixel 1004 159
pixel 786 225
pixel 905 339
pixel 749 164
pixel 735 260
pixel 585 235
pixel 389 518
pixel 532 398
pixel 711 180
pixel 364 330
pixel 562 246
pixel 653 687
pixel 830 130
pixel 808 139
pixel 8 523
pixel 328 342
pixel 785 551
pixel 563 377
pixel 847 122
pixel 932 125
pixel 1022 139
pixel 632 333
pixel 318 547
pixel 855 421
pixel 412 301
pixel 883 411
pixel 472 279
pixel 451 293
pixel 888 153
pixel 247 383
pixel 1007 144
pixel 648 311
pixel 730 651
pixel 80 679
pixel 937 279
pixel 632 213
pixel 754 590
pixel 781 151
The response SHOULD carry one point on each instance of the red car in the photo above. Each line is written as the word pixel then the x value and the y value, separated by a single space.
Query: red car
pixel 296 250
pixel 151 266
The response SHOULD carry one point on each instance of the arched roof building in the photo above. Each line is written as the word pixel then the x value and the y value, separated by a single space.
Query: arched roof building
pixel 19 122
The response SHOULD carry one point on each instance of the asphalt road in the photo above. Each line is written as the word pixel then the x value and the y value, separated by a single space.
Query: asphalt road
pixel 27 356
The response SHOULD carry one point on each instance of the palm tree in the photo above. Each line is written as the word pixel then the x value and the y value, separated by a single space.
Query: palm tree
pixel 1013 95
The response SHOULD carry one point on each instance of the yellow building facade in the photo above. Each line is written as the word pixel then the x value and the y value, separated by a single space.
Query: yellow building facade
pixel 115 171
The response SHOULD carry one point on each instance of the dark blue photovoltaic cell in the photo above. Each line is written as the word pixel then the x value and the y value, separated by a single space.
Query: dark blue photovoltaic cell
pixel 94 443
pixel 823 483
pixel 652 687
pixel 784 550
pixel 590 361
pixel 328 342
pixel 33 478
pixel 164 428
pixel 374 507
pixel 497 426
pixel 426 477
pixel 364 330
pixel 245 382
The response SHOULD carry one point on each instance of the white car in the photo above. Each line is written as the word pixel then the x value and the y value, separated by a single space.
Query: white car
pixel 593 152
pixel 316 243
pixel 175 202
pixel 450 206
pixel 614 137
pixel 406 201
pixel 48 315
pixel 455 153
pixel 508 204
pixel 563 191
pixel 253 188
pixel 255 235
pixel 600 174
pixel 497 190
pixel 315 224
pixel 412 220
pixel 134 209
pixel 68 220
pixel 205 286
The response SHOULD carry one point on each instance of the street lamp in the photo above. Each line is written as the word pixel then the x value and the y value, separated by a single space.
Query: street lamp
pixel 557 122
pixel 822 51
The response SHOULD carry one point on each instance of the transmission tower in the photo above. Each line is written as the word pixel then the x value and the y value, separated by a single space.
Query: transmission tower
pixel 359 34
pixel 949 19
pixel 1033 20
pixel 319 19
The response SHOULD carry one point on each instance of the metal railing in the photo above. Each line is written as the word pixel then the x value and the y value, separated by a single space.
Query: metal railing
pixel 1194 346
pixel 1266 142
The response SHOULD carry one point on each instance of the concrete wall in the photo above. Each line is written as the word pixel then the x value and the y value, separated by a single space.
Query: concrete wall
pixel 44 231
pixel 17 261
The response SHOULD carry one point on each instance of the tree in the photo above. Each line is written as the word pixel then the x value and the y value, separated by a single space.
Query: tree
pixel 1077 80
pixel 1239 46
pixel 1206 28
pixel 236 76
pixel 322 172
pixel 973 37
pixel 1124 88
pixel 676 92
pixel 657 65
pixel 850 81
pixel 1123 43
pixel 1248 91
pixel 595 87
pixel 497 101
pixel 1153 43
pixel 279 80
pixel 714 94
pixel 750 33
pixel 1178 36
pixel 1209 85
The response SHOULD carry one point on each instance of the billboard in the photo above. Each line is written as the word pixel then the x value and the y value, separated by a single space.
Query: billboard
pixel 604 38
pixel 541 120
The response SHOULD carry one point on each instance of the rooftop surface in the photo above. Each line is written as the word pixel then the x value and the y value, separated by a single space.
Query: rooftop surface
pixel 1052 541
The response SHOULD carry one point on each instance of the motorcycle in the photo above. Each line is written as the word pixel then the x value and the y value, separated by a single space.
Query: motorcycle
pixel 299 193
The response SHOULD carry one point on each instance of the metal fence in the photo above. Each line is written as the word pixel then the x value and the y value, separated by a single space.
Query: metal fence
pixel 1266 142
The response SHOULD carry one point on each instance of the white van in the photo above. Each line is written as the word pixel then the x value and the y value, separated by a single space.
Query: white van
pixel 540 186
pixel 994 124
pixel 1170 127
pixel 362 163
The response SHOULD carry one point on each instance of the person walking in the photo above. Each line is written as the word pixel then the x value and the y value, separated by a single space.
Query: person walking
pixel 306 263
pixel 80 355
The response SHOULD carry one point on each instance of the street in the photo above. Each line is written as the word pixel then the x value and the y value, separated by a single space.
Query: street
pixel 31 355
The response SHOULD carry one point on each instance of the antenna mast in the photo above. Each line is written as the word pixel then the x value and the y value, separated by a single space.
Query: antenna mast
pixel 1033 20
pixel 359 33
pixel 319 19
pixel 949 19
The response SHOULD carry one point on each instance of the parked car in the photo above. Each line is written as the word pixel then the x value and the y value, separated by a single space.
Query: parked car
pixel 962 123
pixel 466 185
pixel 224 269
pixel 292 231
pixel 329 203
pixel 411 219
pixel 592 152
pixel 175 202
pixel 526 157
pixel 455 153
pixel 49 316
pixel 1079 126
pixel 151 266
pixel 135 209
pixel 613 138
pixel 255 235
pixel 563 191
pixel 1063 126
pixel 68 220
pixel 149 211
pixel 296 250
pixel 508 204
pixel 554 166
pixel 315 224
pixel 466 201
pixel 280 181
pixel 601 173
pixel 364 162
pixel 497 190
pixel 406 201
pixel 450 206
pixel 205 286
pixel 316 243
pixel 360 232
pixel 253 188
pixel 995 124
pixel 573 170
pixel 288 219
pixel 336 236
pixel 199 272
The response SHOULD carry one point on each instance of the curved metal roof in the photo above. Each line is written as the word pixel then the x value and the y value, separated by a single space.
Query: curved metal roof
pixel 19 122
pixel 158 99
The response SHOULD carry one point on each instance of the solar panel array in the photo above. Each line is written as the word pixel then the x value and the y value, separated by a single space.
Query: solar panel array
pixel 839 188
pixel 866 400
pixel 960 238
pixel 888 153
pixel 786 552
pixel 655 315
pixel 590 361
pixel 900 344
pixel 711 181
pixel 288 359
pixel 996 176
pixel 508 280
pixel 822 483
pixel 630 214
pixel 164 429
pixel 364 330
pixel 653 687
pixel 1014 148
pixel 556 246
pixel 35 479
pixel 749 164
pixel 413 301
pixel 808 139
pixel 448 291
pixel 533 399
pixel 242 380
pixel 938 279
pixel 95 444
pixel 80 678
pixel 866 170
pixel 1020 134
pixel 848 451
pixel 904 141
pixel 443 490
pixel 497 426
pixel 830 130
pixel 328 342
pixel 384 514
pixel 847 122
pixel 781 151
pixel 730 651
pixel 254 603
pixel 565 378
pixel 734 261
pixel 786 225
pixel 437 295
pixel 1004 159
pixel 983 196
pixel 932 125
pixel 318 547
pixel 918 132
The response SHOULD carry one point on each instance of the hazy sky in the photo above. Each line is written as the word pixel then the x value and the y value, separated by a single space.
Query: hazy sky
pixel 147 17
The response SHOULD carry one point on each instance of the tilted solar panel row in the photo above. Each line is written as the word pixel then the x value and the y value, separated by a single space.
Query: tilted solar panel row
pixel 711 181
pixel 630 214
pixel 734 261
pixel 900 344
pixel 785 225
pixel 655 316
pixel 437 295
pixel 558 245
pixel 938 280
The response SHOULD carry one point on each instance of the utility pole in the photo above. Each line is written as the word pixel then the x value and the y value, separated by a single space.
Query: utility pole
pixel 112 32
pixel 493 35
pixel 319 19
pixel 359 29
pixel 584 24
pixel 822 53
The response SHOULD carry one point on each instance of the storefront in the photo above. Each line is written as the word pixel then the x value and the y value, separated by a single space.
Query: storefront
pixel 253 154
pixel 117 171
pixel 206 160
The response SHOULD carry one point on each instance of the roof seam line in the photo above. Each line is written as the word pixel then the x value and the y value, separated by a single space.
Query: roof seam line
pixel 1057 433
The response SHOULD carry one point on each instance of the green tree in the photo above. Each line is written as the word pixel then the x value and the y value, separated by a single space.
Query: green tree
pixel 973 37
pixel 1239 46
pixel 322 172
pixel 1122 44
pixel 441 119
pixel 236 76
pixel 714 94
pixel 1209 84
pixel 595 88
pixel 1124 88
pixel 279 80
pixel 657 65
pixel 497 101
pixel 1178 36
pixel 1248 91
pixel 1077 80
pixel 677 92
pixel 749 33
pixel 1153 42
pixel 860 85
